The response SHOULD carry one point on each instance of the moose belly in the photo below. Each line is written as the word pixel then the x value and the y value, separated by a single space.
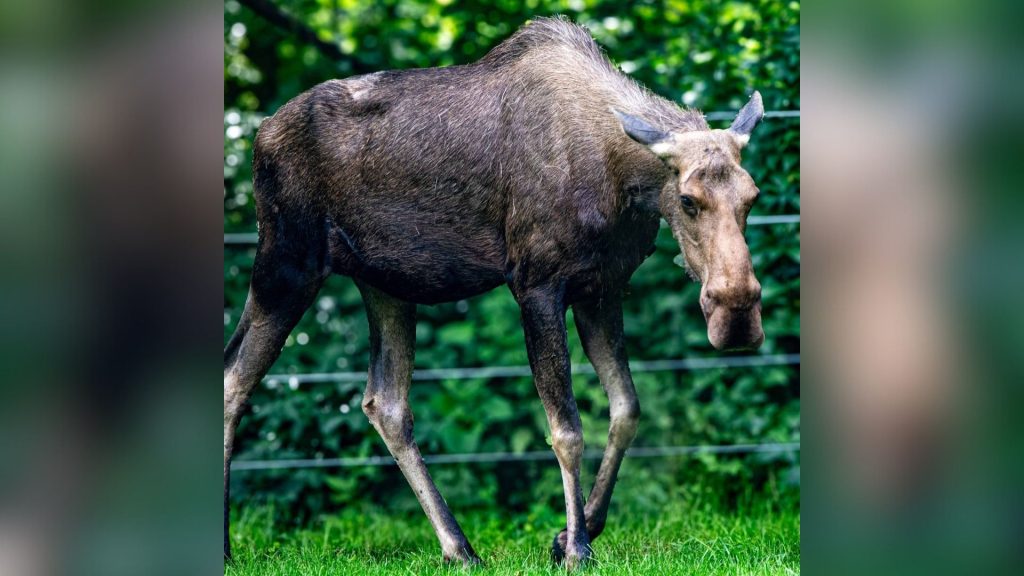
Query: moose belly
pixel 442 266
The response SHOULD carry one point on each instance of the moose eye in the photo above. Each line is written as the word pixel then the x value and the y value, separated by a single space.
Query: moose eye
pixel 689 204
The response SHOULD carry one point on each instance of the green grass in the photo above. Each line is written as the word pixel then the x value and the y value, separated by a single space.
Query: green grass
pixel 679 541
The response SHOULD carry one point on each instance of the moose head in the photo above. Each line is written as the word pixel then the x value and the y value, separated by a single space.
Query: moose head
pixel 706 200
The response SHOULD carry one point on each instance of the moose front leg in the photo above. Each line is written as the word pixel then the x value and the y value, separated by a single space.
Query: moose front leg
pixel 544 326
pixel 386 404
pixel 600 327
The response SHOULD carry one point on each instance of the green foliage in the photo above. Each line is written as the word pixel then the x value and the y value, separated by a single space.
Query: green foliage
pixel 705 54
pixel 681 540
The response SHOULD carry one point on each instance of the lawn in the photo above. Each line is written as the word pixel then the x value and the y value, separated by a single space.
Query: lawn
pixel 682 540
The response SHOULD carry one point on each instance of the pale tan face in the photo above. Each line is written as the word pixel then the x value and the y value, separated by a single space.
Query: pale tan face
pixel 706 203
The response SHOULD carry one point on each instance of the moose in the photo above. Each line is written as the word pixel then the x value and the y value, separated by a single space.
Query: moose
pixel 542 167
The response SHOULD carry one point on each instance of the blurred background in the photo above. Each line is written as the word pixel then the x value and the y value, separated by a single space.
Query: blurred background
pixel 912 290
pixel 708 55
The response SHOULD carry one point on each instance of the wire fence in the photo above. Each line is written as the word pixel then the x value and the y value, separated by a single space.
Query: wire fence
pixel 505 372
pixel 251 238
pixel 640 366
pixel 507 457
pixel 729 115
pixel 294 380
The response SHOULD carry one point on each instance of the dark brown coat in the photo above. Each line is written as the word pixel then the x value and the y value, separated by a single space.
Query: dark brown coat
pixel 438 184
pixel 541 167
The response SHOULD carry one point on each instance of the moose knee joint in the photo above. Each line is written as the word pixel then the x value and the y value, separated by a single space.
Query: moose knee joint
pixel 625 417
pixel 392 419
pixel 234 397
pixel 568 445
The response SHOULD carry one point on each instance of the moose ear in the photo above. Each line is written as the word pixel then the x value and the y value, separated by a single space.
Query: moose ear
pixel 642 132
pixel 747 119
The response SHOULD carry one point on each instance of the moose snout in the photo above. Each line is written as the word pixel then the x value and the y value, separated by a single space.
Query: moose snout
pixel 735 295
pixel 732 310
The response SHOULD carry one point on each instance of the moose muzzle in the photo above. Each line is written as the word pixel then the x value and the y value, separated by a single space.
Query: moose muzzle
pixel 732 310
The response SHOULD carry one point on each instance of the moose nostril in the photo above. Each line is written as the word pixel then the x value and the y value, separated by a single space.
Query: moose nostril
pixel 715 293
pixel 740 296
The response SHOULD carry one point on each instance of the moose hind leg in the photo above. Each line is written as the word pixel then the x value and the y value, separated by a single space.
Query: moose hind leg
pixel 599 324
pixel 386 404
pixel 280 292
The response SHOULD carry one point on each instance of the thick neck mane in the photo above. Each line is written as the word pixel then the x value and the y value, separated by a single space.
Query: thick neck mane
pixel 566 56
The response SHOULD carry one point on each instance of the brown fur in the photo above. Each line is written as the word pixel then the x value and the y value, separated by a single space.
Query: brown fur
pixel 523 169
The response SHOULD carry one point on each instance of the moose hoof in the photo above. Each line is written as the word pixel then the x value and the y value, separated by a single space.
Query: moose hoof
pixel 467 559
pixel 558 547
pixel 561 554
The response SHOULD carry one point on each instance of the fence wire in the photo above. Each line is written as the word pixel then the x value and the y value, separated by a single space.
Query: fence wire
pixel 502 457
pixel 640 366
pixel 727 115
pixel 250 238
